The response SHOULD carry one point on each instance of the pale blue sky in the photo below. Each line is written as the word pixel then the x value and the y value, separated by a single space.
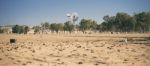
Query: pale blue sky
pixel 33 12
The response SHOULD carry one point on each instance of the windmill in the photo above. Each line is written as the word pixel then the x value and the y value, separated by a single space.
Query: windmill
pixel 73 17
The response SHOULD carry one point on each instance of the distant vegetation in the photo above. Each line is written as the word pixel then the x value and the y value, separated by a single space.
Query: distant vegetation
pixel 20 29
pixel 121 22
pixel 1 30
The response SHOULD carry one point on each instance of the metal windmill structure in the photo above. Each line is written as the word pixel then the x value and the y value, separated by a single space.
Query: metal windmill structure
pixel 73 17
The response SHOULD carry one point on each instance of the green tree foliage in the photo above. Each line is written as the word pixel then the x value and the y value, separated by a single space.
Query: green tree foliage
pixel 20 29
pixel 93 25
pixel 53 27
pixel 56 27
pixel 88 24
pixel 17 29
pixel 36 29
pixel 45 25
pixel 99 27
pixel 26 29
pixel 125 22
pixel 60 27
pixel 121 22
pixel 84 24
pixel 142 22
pixel 68 26
pixel 104 26
pixel 109 23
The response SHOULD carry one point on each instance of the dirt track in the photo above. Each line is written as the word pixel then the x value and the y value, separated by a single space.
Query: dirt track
pixel 75 50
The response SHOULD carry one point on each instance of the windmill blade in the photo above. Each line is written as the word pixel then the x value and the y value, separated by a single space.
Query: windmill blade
pixel 75 16
pixel 68 15
pixel 72 16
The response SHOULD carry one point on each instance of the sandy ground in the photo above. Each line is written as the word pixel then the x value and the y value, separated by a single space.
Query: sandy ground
pixel 75 50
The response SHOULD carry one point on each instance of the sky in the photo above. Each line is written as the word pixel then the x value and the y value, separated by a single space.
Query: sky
pixel 33 12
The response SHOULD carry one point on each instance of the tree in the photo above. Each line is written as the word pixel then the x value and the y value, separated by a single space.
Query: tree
pixel 56 27
pixel 20 29
pixel 68 26
pixel 88 24
pixel 36 29
pixel 53 27
pixel 84 24
pixel 109 23
pixel 17 29
pixel 121 22
pixel 45 25
pixel 93 24
pixel 99 27
pixel 125 22
pixel 26 29
pixel 142 22
pixel 104 26
pixel 60 26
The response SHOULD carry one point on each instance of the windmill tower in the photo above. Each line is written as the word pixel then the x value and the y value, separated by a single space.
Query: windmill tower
pixel 73 17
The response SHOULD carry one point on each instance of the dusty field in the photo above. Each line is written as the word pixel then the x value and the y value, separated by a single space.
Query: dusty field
pixel 75 50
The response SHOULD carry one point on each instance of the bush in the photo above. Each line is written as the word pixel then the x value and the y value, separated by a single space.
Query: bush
pixel 20 29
